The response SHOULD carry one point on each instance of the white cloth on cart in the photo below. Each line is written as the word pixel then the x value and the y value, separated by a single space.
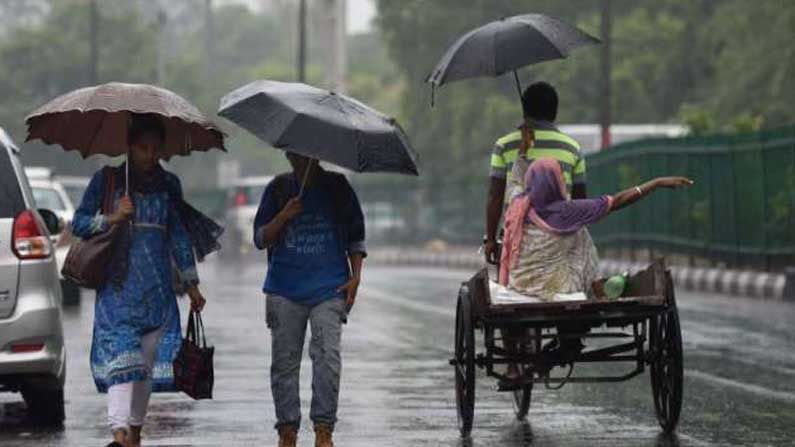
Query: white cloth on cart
pixel 501 295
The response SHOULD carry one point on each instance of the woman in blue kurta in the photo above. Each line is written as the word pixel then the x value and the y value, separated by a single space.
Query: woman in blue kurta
pixel 136 319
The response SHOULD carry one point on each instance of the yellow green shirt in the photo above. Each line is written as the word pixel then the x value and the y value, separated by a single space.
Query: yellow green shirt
pixel 549 143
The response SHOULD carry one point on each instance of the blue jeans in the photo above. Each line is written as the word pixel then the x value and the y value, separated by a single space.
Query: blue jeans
pixel 287 321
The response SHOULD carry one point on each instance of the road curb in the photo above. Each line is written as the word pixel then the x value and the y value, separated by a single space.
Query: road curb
pixel 711 280
pixel 761 285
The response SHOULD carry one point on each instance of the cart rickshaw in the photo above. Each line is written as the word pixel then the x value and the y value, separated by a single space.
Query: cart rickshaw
pixel 640 328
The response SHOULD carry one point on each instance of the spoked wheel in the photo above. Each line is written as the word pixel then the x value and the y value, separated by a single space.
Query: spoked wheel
pixel 464 363
pixel 521 400
pixel 666 366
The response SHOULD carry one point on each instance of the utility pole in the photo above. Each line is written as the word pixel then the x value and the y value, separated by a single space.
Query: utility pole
pixel 209 28
pixel 93 36
pixel 302 41
pixel 335 42
pixel 606 112
pixel 162 21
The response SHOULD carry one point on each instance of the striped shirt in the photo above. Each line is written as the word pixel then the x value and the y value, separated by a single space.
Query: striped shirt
pixel 549 143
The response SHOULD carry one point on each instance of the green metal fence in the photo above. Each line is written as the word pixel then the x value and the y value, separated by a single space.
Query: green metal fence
pixel 741 210
pixel 739 213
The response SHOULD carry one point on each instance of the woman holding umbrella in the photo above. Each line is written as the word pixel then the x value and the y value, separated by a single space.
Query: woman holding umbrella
pixel 137 332
pixel 137 323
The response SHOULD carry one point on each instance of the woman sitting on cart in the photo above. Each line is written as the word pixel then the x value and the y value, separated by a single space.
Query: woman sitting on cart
pixel 546 248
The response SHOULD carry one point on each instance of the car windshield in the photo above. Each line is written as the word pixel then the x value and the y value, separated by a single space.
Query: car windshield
pixel 48 198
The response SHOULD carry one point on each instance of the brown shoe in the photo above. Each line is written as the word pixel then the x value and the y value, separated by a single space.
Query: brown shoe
pixel 323 436
pixel 288 436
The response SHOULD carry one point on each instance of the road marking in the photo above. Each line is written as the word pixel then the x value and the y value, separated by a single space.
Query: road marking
pixel 754 389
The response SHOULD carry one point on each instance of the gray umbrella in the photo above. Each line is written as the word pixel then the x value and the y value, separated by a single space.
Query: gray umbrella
pixel 507 45
pixel 320 124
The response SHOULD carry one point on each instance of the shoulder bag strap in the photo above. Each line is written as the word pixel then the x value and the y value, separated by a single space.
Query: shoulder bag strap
pixel 110 189
pixel 190 334
pixel 200 329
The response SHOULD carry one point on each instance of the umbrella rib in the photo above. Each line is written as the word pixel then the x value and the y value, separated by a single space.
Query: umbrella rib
pixel 95 133
pixel 554 44
pixel 354 127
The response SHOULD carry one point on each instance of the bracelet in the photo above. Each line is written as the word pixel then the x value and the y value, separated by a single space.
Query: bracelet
pixel 640 191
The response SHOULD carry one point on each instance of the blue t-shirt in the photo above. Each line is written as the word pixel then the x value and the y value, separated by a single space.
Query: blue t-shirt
pixel 309 263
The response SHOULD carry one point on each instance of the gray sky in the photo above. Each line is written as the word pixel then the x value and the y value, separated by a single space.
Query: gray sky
pixel 360 13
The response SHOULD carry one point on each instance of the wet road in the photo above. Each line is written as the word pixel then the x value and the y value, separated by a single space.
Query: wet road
pixel 398 391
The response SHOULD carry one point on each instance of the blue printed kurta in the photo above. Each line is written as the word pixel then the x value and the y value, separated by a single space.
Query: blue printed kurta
pixel 145 300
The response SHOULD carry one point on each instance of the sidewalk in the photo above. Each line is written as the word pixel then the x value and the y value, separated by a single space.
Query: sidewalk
pixel 710 280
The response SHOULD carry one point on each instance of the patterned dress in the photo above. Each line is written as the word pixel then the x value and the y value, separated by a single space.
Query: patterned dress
pixel 145 300
pixel 549 264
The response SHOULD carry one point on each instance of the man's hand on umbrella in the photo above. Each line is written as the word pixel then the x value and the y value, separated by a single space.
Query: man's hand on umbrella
pixel 125 211
pixel 351 288
pixel 293 208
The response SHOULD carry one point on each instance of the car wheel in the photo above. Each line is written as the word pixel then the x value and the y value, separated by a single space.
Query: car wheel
pixel 44 398
pixel 70 292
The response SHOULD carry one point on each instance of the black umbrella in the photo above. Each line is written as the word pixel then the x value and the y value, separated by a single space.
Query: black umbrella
pixel 507 45
pixel 321 124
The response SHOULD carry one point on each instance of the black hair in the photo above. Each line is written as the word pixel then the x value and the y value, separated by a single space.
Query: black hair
pixel 143 123
pixel 540 102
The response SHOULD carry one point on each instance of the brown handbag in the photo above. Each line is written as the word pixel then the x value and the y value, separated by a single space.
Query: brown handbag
pixel 87 259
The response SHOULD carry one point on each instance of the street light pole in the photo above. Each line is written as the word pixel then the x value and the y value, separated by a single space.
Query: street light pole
pixel 606 112
pixel 302 41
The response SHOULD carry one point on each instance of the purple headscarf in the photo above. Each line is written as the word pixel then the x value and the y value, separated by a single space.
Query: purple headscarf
pixel 550 208
pixel 544 204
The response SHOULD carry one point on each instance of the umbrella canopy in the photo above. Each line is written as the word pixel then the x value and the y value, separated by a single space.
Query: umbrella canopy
pixel 507 45
pixel 94 120
pixel 321 124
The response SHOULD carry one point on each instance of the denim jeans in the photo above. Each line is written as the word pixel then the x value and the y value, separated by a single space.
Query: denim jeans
pixel 287 321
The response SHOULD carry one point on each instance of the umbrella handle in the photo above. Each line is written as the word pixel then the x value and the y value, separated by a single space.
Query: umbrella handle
pixel 306 177
pixel 518 84
pixel 127 174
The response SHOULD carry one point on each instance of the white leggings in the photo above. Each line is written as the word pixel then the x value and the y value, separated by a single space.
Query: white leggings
pixel 127 402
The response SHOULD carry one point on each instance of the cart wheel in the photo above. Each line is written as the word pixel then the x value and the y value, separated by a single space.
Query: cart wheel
pixel 464 362
pixel 521 401
pixel 666 366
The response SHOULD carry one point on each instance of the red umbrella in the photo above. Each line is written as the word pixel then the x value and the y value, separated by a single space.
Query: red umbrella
pixel 94 120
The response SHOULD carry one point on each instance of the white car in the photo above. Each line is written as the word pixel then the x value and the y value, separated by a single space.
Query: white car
pixel 32 354
pixel 74 186
pixel 50 194
pixel 243 195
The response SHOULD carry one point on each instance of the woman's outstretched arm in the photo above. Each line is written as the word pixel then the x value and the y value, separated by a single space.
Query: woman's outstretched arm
pixel 632 195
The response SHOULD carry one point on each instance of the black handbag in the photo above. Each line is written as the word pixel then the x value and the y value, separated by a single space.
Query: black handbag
pixel 193 367
pixel 87 260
